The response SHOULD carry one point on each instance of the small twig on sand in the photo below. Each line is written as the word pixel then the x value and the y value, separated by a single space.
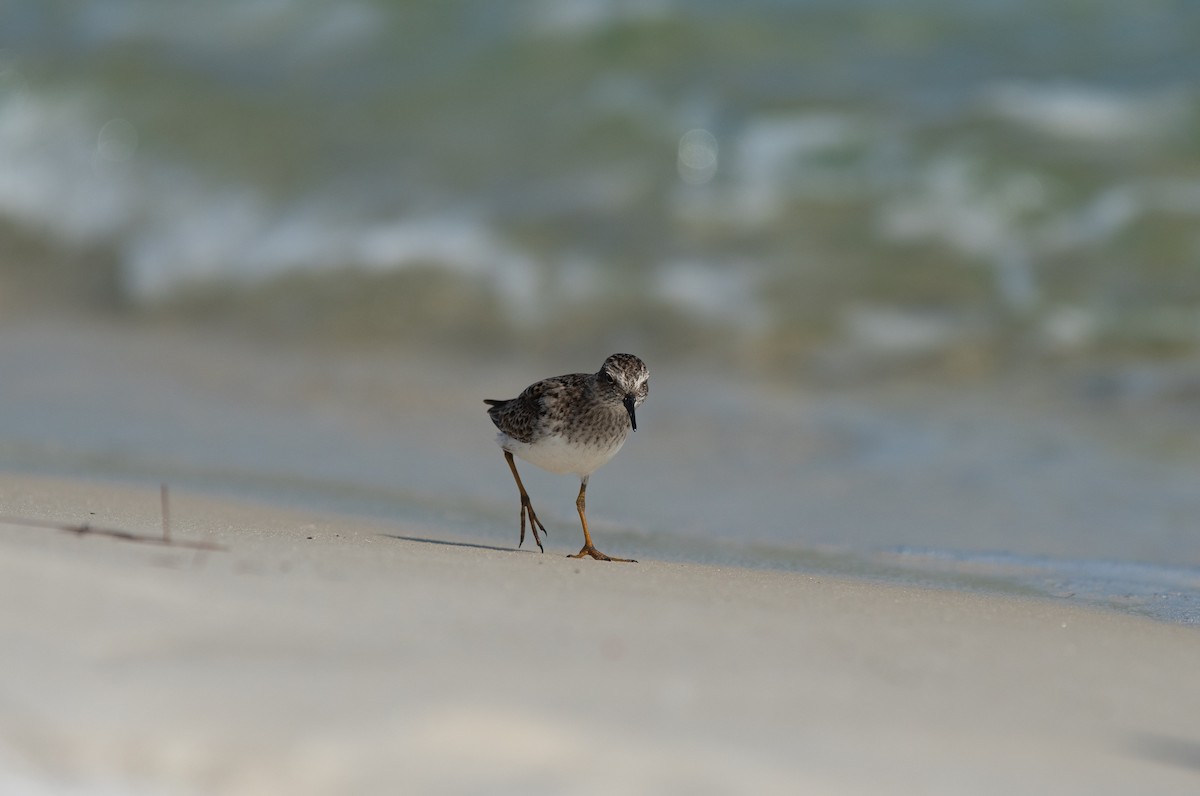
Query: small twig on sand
pixel 166 514
pixel 116 533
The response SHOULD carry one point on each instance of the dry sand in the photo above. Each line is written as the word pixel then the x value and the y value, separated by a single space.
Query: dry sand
pixel 327 655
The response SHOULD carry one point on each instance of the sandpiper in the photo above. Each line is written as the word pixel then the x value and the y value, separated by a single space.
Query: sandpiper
pixel 571 424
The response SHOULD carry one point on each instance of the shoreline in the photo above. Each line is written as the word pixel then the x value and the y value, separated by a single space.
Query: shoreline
pixel 325 654
pixel 1008 486
pixel 1169 594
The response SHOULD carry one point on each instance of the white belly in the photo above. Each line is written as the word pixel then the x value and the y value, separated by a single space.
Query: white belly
pixel 557 456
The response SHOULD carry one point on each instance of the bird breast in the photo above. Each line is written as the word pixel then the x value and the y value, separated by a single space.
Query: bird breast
pixel 558 455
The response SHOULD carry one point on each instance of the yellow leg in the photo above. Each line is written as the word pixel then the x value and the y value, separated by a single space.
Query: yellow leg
pixel 588 548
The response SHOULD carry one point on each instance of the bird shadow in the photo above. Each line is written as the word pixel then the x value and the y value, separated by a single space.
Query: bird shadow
pixel 448 543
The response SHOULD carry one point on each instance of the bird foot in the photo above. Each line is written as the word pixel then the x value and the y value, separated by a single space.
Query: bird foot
pixel 589 550
pixel 534 523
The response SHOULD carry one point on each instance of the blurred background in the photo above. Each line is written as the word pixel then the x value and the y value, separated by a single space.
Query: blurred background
pixel 997 199
pixel 777 183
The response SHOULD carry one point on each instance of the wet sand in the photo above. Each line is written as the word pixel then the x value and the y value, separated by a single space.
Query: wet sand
pixel 321 654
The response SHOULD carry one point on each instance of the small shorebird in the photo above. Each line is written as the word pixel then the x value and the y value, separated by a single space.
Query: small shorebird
pixel 571 424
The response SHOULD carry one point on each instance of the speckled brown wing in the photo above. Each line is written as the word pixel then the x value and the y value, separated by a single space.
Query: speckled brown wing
pixel 522 418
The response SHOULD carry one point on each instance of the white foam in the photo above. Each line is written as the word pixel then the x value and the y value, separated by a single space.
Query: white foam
pixel 768 146
pixel 790 155
pixel 173 227
pixel 1070 327
pixel 231 235
pixel 1088 113
pixel 575 18
pixel 950 204
pixel 722 290
pixel 1097 220
pixel 51 174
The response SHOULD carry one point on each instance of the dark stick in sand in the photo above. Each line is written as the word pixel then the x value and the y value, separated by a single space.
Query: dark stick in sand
pixel 83 529
pixel 166 514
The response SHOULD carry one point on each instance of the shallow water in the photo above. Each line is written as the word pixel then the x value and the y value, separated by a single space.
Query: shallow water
pixel 960 487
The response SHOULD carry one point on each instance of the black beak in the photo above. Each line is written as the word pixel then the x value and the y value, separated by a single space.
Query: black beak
pixel 629 406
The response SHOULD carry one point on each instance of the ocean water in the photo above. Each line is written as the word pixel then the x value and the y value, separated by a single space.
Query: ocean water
pixel 903 179
pixel 919 281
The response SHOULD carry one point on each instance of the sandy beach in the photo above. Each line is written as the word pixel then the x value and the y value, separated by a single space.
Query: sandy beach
pixel 319 654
